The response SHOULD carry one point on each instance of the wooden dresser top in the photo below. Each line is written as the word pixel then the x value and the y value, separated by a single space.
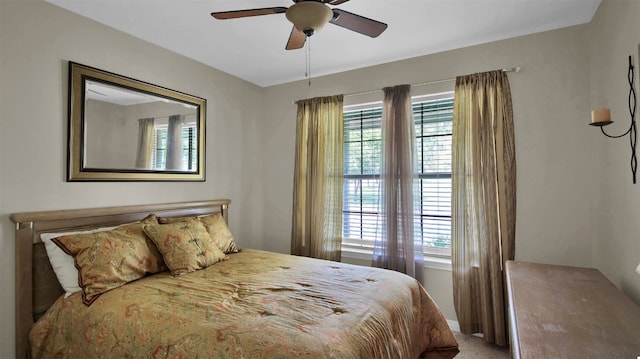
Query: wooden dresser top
pixel 569 312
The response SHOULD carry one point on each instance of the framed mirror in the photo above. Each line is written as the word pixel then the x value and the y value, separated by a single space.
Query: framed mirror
pixel 121 129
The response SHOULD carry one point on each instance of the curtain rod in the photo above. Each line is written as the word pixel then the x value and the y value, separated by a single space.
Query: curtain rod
pixel 510 69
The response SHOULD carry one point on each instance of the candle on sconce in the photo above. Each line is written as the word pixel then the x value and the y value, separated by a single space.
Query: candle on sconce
pixel 600 115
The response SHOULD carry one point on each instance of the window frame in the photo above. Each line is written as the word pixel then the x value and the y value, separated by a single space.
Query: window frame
pixel 163 127
pixel 436 258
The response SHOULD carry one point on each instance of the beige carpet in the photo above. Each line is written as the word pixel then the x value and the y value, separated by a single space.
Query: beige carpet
pixel 472 347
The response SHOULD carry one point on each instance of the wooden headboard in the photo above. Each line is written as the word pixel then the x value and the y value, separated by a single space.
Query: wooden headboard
pixel 37 287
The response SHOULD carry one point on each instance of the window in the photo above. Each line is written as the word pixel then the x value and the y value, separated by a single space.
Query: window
pixel 189 147
pixel 432 188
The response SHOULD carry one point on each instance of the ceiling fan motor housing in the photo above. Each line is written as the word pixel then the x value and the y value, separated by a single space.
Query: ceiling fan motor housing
pixel 309 16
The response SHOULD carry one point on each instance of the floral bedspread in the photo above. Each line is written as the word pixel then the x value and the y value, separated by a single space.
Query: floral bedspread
pixel 257 304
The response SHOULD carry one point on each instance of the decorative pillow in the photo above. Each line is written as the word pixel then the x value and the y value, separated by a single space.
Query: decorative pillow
pixel 185 246
pixel 110 259
pixel 62 263
pixel 219 232
pixel 215 225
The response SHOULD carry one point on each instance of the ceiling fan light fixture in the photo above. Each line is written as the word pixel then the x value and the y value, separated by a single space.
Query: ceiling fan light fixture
pixel 309 16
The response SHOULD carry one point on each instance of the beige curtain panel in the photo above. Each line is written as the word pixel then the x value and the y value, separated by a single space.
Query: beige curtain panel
pixel 318 179
pixel 398 249
pixel 483 202
pixel 174 142
pixel 144 157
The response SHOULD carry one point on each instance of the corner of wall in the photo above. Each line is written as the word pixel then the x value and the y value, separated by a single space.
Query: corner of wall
pixel 616 248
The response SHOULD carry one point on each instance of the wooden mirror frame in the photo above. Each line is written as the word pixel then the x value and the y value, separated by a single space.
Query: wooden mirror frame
pixel 79 75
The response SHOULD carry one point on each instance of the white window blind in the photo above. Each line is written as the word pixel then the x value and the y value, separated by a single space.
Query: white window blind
pixel 189 147
pixel 432 187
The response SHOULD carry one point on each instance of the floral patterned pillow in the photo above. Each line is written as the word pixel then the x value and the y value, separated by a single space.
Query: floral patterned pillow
pixel 186 246
pixel 217 228
pixel 219 232
pixel 110 259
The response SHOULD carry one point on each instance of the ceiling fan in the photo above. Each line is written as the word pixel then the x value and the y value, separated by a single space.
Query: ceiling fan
pixel 309 16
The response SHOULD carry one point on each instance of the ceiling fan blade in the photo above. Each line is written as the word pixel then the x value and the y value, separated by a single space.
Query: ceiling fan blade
pixel 357 23
pixel 234 14
pixel 336 2
pixel 296 39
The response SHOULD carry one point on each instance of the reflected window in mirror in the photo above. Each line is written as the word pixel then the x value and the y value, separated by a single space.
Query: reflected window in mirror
pixel 188 153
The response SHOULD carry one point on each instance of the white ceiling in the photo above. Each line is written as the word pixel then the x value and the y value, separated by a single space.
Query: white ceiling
pixel 253 48
pixel 116 95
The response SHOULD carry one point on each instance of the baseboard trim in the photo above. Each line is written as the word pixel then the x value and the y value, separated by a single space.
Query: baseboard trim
pixel 453 324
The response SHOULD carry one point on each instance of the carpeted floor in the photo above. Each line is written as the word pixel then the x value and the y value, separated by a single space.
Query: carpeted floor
pixel 472 347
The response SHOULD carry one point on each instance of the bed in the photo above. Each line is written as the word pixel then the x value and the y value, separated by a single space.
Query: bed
pixel 249 304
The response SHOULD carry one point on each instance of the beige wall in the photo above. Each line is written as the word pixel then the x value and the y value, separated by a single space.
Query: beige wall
pixel 573 184
pixel 37 39
pixel 615 34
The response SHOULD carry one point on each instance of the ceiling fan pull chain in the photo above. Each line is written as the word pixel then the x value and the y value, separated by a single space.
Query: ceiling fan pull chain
pixel 308 60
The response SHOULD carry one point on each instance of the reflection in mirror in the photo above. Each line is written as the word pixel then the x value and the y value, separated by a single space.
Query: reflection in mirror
pixel 127 130
pixel 132 130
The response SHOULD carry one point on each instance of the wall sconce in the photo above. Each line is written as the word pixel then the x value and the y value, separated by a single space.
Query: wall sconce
pixel 602 117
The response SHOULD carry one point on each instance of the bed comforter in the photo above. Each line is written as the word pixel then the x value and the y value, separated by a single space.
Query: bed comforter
pixel 256 304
